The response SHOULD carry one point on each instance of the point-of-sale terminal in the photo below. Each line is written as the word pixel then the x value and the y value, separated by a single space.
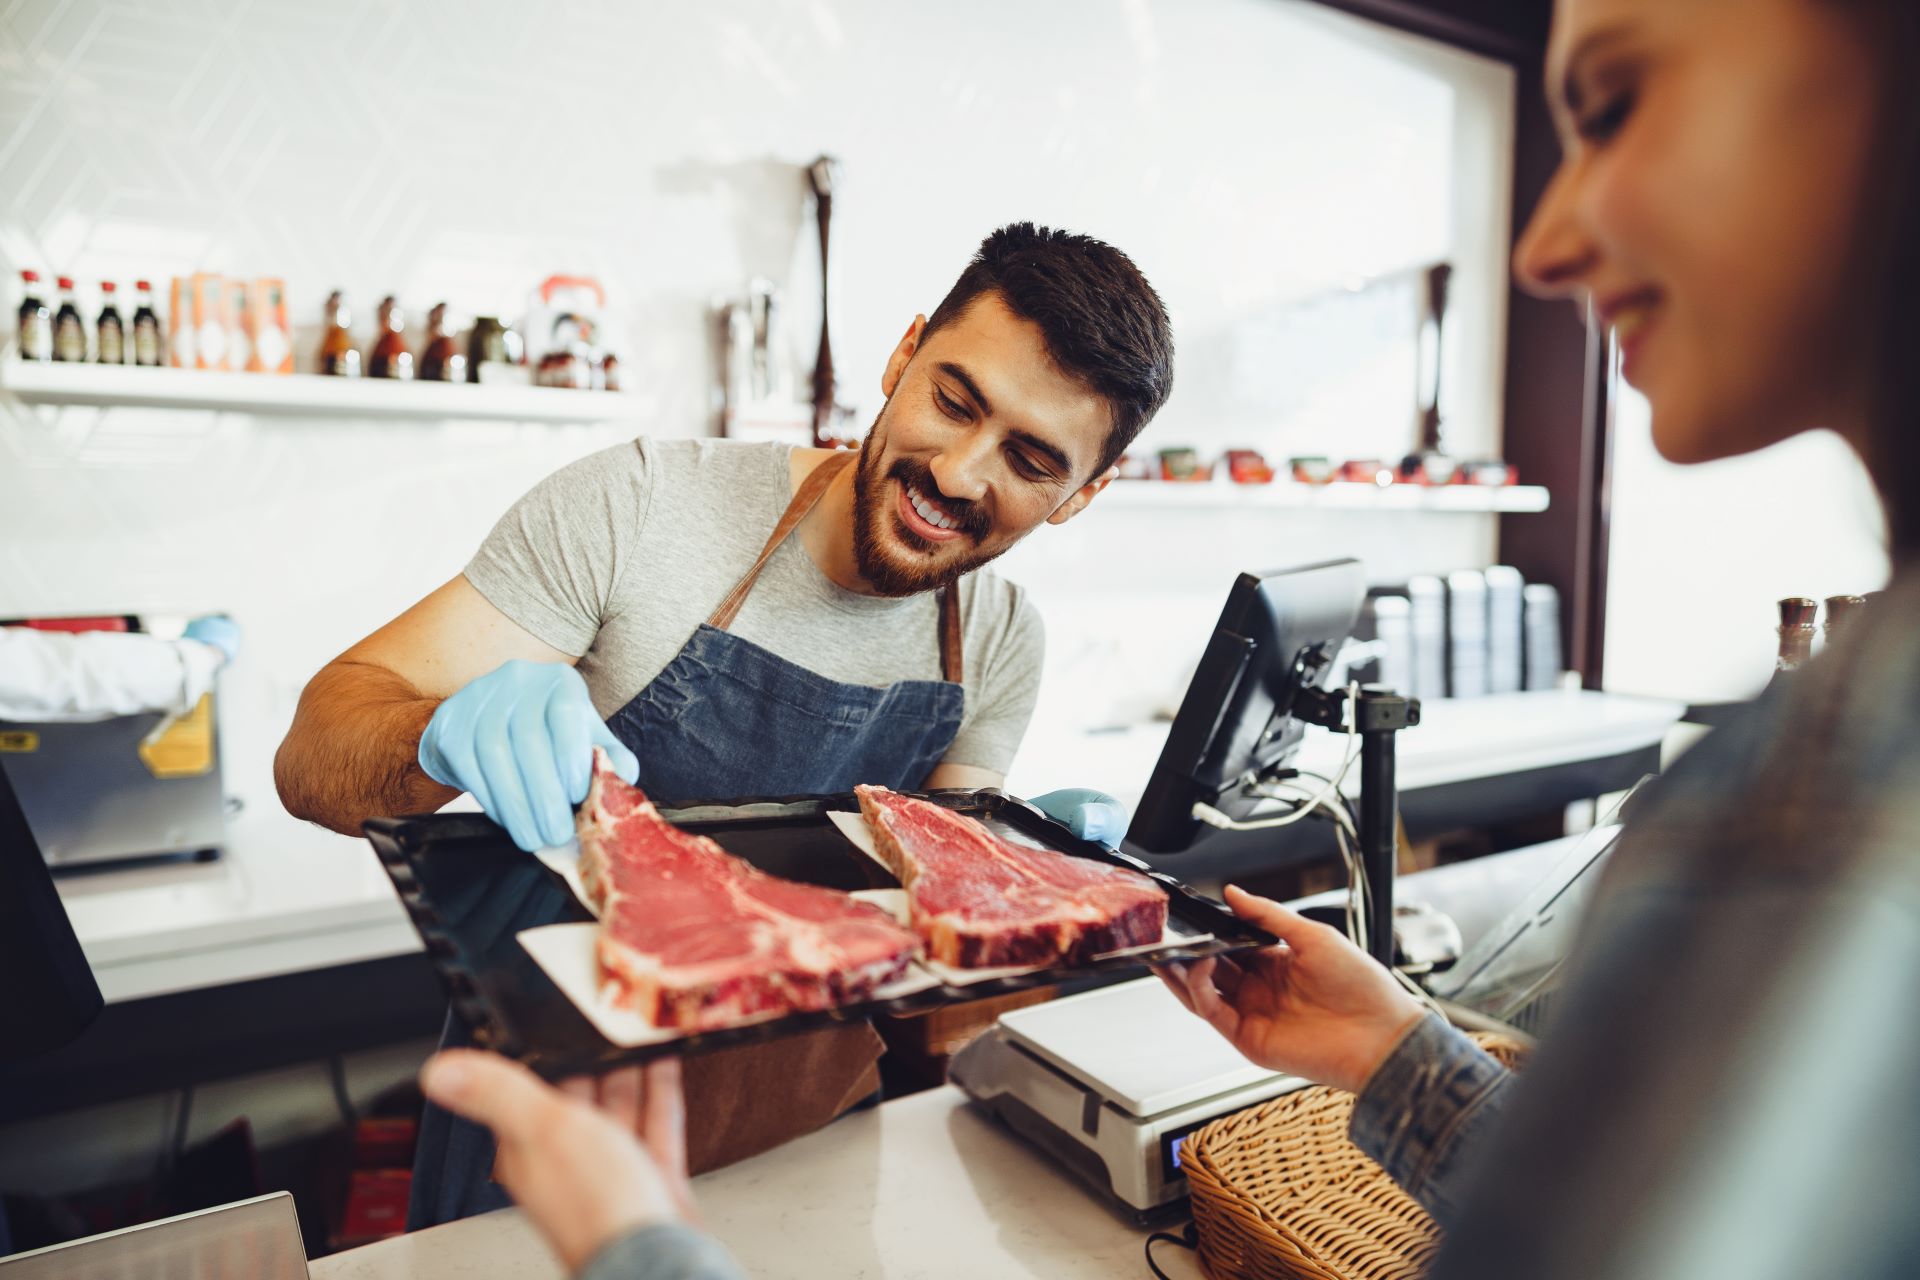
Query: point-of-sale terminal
pixel 1111 1081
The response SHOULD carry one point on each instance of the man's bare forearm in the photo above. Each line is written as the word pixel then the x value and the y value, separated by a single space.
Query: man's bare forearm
pixel 353 750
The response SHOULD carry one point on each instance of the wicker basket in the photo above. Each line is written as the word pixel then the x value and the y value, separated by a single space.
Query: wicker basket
pixel 1279 1191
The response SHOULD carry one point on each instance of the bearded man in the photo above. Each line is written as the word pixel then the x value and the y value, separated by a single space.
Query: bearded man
pixel 730 619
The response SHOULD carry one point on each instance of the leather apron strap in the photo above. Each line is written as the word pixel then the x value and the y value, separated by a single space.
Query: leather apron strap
pixel 950 632
pixel 805 499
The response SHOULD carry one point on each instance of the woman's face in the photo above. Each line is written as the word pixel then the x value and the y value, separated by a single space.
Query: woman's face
pixel 1715 155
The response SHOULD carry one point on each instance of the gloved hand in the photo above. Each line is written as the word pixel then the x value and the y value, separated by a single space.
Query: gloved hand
pixel 521 739
pixel 1089 814
pixel 218 631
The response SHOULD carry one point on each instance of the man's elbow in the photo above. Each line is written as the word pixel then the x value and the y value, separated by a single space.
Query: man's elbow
pixel 300 778
pixel 291 781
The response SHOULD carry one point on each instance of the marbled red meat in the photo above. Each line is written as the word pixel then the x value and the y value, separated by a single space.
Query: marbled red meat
pixel 695 938
pixel 978 900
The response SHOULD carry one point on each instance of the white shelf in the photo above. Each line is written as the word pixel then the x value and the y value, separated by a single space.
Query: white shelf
pixel 1339 496
pixel 304 394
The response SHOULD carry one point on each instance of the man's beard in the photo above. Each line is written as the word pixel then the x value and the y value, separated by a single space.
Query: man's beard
pixel 878 561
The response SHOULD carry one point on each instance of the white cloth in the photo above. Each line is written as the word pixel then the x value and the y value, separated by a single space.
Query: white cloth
pixel 93 675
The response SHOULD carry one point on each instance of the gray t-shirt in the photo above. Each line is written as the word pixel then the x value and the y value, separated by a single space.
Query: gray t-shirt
pixel 619 557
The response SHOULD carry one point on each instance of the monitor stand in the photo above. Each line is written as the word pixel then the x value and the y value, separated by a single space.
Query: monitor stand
pixel 1379 714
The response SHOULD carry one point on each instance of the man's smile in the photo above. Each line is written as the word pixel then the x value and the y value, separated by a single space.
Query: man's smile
pixel 924 517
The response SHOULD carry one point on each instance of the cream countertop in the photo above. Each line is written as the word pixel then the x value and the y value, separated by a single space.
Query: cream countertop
pixel 922 1188
pixel 284 897
pixel 1457 740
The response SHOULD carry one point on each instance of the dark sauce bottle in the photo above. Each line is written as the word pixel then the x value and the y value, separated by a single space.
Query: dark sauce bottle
pixel 36 322
pixel 440 361
pixel 146 327
pixel 390 357
pixel 337 356
pixel 69 333
pixel 109 332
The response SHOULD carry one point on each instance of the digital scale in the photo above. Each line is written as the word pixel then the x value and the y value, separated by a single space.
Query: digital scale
pixel 1110 1083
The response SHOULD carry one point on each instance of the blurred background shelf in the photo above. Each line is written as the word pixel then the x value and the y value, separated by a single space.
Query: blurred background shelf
pixel 306 394
pixel 1520 498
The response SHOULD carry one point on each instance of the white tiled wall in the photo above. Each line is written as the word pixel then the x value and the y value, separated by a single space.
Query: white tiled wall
pixel 1250 154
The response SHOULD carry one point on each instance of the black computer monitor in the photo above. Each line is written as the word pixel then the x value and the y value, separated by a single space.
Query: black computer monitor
pixel 1278 634
pixel 48 995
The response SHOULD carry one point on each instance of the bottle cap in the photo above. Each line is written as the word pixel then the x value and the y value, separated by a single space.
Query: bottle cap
pixel 1798 611
pixel 1842 610
pixel 31 277
pixel 107 286
pixel 142 284
pixel 66 282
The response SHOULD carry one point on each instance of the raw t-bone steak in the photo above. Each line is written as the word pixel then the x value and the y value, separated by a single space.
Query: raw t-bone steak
pixel 978 900
pixel 692 937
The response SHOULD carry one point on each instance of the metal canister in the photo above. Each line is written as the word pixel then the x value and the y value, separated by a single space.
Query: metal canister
pixel 490 342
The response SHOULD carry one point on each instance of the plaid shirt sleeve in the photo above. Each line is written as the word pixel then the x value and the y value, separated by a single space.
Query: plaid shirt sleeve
pixel 1424 1112
pixel 664 1251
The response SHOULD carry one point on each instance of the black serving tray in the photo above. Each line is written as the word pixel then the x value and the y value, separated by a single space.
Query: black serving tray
pixel 470 890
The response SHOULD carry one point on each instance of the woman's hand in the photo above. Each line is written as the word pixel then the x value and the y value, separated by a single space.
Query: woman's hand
pixel 588 1161
pixel 1315 1006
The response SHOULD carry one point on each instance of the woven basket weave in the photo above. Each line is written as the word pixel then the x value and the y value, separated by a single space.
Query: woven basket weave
pixel 1279 1193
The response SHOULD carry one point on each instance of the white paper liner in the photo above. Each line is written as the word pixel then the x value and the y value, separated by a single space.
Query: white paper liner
pixel 564 953
pixel 564 861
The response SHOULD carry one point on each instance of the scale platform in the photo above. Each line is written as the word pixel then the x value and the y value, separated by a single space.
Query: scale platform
pixel 1110 1083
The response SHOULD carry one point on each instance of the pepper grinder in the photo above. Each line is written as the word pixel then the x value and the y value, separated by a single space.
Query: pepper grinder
pixel 823 175
pixel 1430 463
pixel 1797 615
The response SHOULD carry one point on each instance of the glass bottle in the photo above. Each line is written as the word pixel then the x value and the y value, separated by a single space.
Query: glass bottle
pixel 146 326
pixel 1843 612
pixel 483 344
pixel 390 357
pixel 69 333
pixel 495 344
pixel 1797 614
pixel 439 360
pixel 110 335
pixel 337 356
pixel 36 322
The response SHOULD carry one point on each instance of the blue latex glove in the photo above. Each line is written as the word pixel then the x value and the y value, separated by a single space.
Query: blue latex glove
pixel 1089 814
pixel 521 739
pixel 217 630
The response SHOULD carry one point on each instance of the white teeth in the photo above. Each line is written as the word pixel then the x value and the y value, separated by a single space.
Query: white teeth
pixel 1629 320
pixel 928 512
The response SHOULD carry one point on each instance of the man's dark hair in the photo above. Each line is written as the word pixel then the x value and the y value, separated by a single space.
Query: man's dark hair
pixel 1102 322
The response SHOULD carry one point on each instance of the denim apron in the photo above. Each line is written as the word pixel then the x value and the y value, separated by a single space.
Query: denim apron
pixel 728 718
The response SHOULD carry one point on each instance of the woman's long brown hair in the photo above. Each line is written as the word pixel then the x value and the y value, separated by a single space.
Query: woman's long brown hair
pixel 1890 266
